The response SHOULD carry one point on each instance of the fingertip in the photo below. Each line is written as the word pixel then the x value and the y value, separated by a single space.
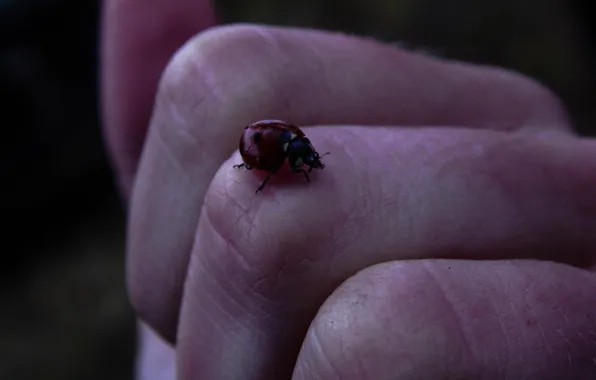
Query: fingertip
pixel 469 319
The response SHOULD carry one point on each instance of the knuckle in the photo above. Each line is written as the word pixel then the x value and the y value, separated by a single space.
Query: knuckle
pixel 545 109
pixel 252 249
pixel 269 251
pixel 548 108
pixel 219 81
pixel 221 66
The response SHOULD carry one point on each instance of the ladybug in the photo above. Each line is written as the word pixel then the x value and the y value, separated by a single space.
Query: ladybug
pixel 266 144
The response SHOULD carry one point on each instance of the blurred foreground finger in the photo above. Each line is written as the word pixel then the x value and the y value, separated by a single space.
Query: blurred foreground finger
pixel 138 39
pixel 445 319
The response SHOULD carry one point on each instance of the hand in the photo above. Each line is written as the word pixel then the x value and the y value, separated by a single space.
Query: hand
pixel 471 169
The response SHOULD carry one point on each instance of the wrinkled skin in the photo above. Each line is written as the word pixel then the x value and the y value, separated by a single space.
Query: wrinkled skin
pixel 451 235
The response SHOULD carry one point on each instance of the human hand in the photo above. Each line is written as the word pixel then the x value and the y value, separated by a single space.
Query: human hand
pixel 474 170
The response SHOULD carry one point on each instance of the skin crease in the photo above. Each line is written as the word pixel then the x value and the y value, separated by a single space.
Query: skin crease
pixel 431 160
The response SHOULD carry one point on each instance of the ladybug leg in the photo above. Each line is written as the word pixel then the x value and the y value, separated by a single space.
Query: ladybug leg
pixel 317 162
pixel 320 165
pixel 306 175
pixel 263 184
pixel 302 171
pixel 242 165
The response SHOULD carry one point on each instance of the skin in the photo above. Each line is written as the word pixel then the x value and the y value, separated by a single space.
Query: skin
pixel 450 235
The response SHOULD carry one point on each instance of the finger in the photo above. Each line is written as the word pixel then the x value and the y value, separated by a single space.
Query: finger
pixel 228 77
pixel 444 319
pixel 138 38
pixel 262 263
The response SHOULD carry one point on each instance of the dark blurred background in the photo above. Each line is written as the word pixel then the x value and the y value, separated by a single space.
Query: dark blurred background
pixel 64 309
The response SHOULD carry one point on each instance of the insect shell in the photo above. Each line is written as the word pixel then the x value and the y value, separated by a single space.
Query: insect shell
pixel 266 144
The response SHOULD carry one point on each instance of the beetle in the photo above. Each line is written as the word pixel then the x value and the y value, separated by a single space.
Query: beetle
pixel 266 144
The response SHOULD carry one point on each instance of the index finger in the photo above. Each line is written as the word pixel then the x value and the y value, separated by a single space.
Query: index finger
pixel 262 264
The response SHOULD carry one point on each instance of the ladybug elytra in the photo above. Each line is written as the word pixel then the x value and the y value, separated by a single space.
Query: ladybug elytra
pixel 266 144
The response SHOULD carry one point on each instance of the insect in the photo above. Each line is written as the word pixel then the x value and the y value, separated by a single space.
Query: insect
pixel 266 144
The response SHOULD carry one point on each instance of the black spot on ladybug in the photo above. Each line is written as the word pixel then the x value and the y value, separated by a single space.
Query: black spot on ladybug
pixel 256 137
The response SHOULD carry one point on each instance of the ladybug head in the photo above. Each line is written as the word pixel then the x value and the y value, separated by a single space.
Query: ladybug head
pixel 301 152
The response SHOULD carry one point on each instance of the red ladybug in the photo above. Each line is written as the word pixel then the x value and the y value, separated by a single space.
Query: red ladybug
pixel 266 144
